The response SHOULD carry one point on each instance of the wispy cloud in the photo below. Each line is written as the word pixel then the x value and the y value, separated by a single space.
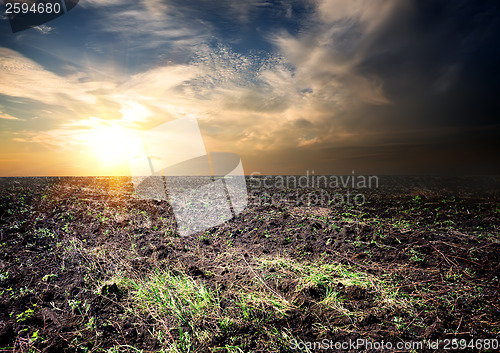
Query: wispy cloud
pixel 7 116
pixel 22 77
pixel 44 29
pixel 147 24
pixel 371 14
pixel 69 136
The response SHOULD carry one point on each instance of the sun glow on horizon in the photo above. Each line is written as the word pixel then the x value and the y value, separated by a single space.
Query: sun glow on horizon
pixel 113 144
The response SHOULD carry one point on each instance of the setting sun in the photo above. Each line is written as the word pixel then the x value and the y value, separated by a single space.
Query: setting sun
pixel 112 144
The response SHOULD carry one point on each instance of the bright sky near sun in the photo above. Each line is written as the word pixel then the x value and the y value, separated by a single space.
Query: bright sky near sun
pixel 375 86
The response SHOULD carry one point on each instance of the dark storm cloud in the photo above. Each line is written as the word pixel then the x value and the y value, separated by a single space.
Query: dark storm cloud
pixel 436 64
pixel 439 63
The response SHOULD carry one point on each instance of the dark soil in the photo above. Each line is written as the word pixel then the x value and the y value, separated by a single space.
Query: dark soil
pixel 432 244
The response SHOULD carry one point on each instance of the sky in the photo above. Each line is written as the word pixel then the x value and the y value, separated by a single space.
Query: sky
pixel 330 86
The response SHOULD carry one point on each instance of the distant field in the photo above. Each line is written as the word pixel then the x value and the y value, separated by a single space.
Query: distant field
pixel 88 266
